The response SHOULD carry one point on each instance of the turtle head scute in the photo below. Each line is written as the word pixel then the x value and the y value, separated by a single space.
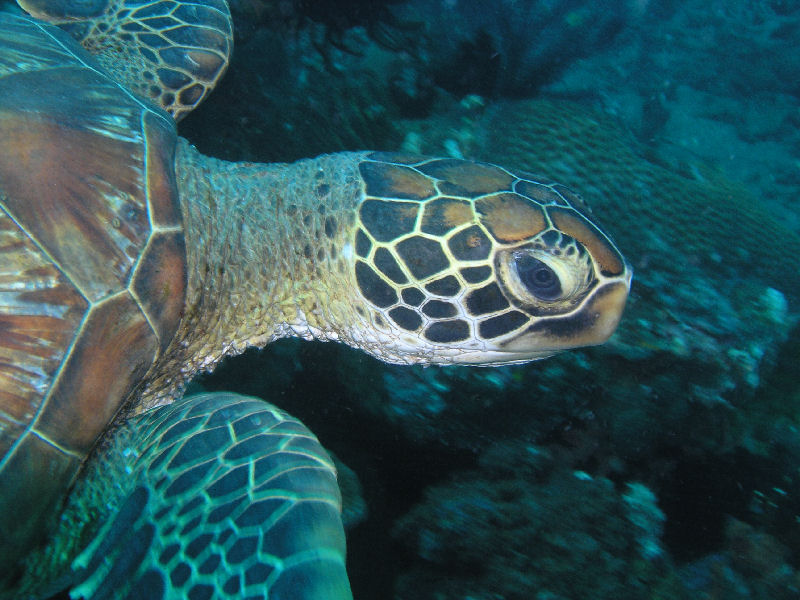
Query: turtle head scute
pixel 464 262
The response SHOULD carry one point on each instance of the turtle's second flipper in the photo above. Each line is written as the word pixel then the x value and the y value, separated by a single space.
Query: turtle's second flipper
pixel 171 52
pixel 228 496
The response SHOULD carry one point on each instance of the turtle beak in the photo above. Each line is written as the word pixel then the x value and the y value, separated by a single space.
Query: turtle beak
pixel 604 311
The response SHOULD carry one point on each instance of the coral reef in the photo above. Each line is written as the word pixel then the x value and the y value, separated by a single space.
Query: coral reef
pixel 706 82
pixel 704 303
pixel 522 527
pixel 752 565
pixel 674 393
pixel 685 144
pixel 511 48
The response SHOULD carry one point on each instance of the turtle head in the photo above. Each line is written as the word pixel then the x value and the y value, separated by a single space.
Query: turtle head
pixel 463 262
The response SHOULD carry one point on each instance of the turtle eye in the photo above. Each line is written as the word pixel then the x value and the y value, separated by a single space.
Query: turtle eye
pixel 539 279
pixel 544 278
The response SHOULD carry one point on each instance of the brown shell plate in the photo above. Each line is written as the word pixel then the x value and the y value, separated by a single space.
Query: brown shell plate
pixel 92 264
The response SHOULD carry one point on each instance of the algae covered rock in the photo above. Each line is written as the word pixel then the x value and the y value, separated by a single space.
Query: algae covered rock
pixel 524 527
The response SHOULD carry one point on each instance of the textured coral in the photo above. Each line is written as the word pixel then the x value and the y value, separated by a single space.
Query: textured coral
pixel 524 528
pixel 753 565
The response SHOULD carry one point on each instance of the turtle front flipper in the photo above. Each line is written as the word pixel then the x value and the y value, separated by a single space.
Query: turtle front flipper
pixel 226 496
pixel 171 52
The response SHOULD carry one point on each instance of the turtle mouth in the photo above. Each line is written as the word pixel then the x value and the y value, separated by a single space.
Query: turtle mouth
pixel 590 324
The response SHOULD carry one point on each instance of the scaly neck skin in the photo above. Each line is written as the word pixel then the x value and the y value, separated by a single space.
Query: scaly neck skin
pixel 268 256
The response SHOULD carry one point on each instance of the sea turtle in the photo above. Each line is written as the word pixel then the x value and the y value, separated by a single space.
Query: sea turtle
pixel 129 262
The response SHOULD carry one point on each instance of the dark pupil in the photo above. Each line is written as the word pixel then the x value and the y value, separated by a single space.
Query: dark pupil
pixel 540 279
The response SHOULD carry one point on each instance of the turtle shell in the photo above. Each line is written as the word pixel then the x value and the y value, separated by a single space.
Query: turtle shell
pixel 92 264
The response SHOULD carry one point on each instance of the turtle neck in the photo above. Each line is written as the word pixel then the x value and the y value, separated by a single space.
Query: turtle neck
pixel 267 247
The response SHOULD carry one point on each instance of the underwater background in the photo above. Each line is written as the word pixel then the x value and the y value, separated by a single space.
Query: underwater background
pixel 664 464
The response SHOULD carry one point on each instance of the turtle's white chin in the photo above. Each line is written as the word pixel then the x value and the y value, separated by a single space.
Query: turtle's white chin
pixel 408 350
pixel 497 358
